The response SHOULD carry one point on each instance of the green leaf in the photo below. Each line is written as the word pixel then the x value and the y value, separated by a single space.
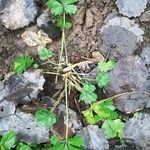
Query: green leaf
pixel 113 128
pixel 56 7
pixel 45 53
pixel 87 93
pixel 59 146
pixel 102 80
pixel 60 23
pixel 22 63
pixel 68 1
pixel 105 110
pixel 106 66
pixel 45 118
pixel 8 140
pixel 54 140
pixel 70 9
pixel 22 146
pixel 76 141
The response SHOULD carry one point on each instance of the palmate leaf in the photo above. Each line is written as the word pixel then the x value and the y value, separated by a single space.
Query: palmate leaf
pixel 56 7
pixel 70 9
pixel 22 146
pixel 87 93
pixel 75 143
pixel 106 66
pixel 8 140
pixel 45 118
pixel 102 80
pixel 105 110
pixel 113 128
pixel 45 54
pixel 22 63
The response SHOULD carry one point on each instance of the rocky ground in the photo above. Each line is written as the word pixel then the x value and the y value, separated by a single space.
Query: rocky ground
pixel 118 29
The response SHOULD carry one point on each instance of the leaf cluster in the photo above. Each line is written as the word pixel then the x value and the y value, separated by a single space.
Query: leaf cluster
pixel 100 111
pixel 74 143
pixel 103 79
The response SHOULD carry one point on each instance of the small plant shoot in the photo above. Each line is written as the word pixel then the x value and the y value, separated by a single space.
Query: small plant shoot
pixel 45 118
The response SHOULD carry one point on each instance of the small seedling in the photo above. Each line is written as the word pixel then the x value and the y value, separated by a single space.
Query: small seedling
pixel 22 63
pixel 113 128
pixel 74 143
pixel 45 54
pixel 87 93
pixel 100 111
pixel 45 118
pixel 8 140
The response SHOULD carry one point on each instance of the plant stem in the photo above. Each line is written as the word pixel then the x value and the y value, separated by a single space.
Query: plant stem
pixel 67 113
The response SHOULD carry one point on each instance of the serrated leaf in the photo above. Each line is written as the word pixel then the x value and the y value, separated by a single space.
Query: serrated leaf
pixel 70 9
pixel 54 140
pixel 69 1
pixel 106 66
pixel 105 110
pixel 87 93
pixel 76 141
pixel 102 80
pixel 22 63
pixel 113 128
pixel 8 140
pixel 56 7
pixel 22 146
pixel 45 118
pixel 60 23
pixel 45 54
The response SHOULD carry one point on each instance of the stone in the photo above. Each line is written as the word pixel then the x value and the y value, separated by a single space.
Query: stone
pixel 23 88
pixel 129 74
pixel 137 131
pixel 32 38
pixel 145 17
pixel 74 122
pixel 94 138
pixel 120 37
pixel 133 102
pixel 44 22
pixel 3 4
pixel 6 108
pixel 145 55
pixel 131 8
pixel 18 14
pixel 24 125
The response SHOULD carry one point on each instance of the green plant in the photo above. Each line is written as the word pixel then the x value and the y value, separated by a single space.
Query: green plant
pixel 103 79
pixel 8 140
pixel 87 93
pixel 22 146
pixel 45 118
pixel 100 111
pixel 74 143
pixel 113 128
pixel 22 63
pixel 45 53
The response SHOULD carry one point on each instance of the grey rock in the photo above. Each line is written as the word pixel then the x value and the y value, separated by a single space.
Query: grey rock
pixel 18 14
pixel 129 74
pixel 22 88
pixel 3 4
pixel 120 37
pixel 25 127
pixel 131 8
pixel 7 108
pixel 44 22
pixel 137 131
pixel 133 102
pixel 124 147
pixel 145 17
pixel 94 138
pixel 145 55
pixel 74 122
